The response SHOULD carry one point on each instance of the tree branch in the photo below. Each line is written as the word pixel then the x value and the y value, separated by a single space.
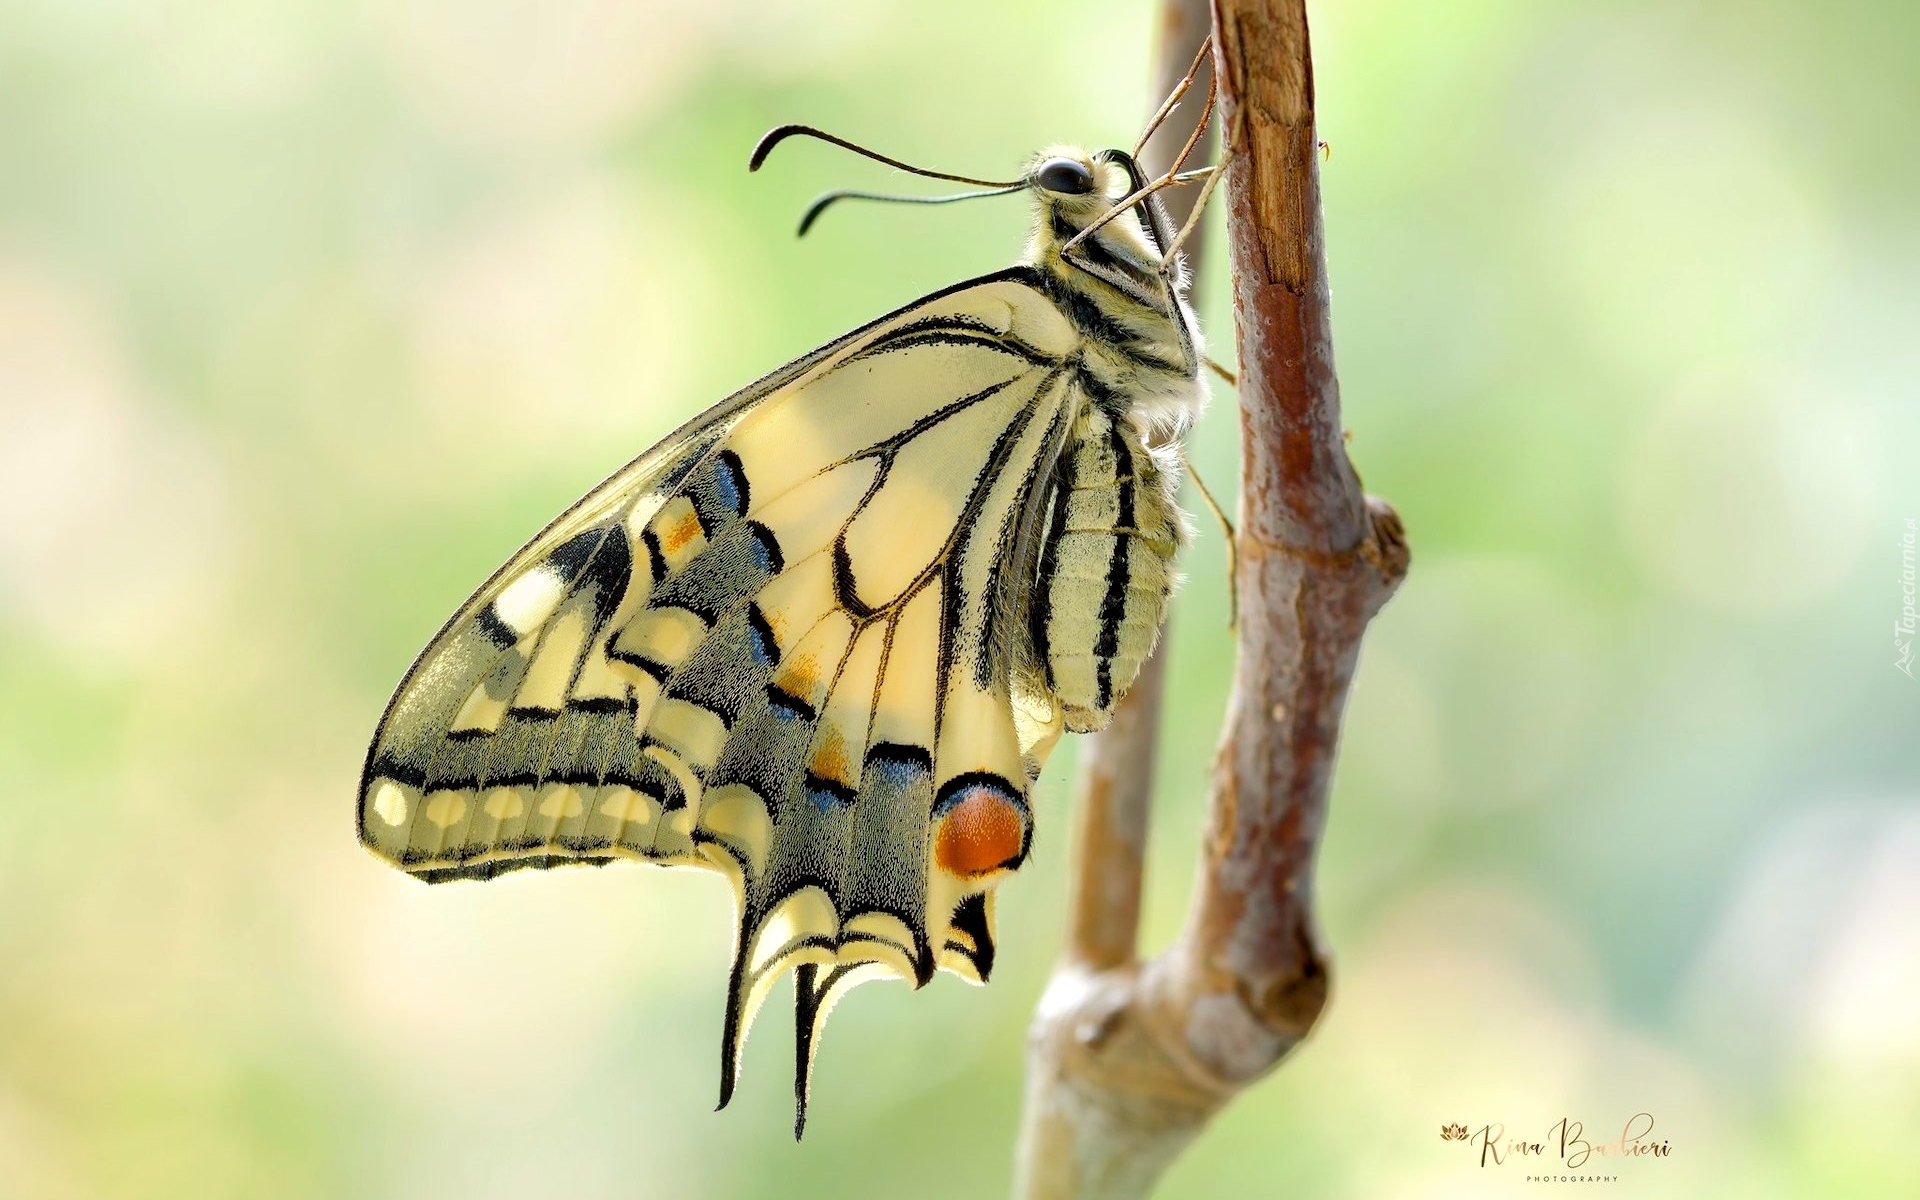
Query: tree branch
pixel 1127 1061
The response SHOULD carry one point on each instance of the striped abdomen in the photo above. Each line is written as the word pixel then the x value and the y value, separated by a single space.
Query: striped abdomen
pixel 1106 569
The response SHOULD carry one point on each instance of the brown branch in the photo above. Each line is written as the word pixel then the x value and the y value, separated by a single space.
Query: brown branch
pixel 1127 1061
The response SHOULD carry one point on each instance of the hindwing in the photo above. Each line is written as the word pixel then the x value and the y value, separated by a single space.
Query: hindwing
pixel 788 644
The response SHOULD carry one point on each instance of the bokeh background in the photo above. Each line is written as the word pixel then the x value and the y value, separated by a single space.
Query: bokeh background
pixel 311 310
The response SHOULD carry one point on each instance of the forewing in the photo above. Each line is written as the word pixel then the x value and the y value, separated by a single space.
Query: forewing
pixel 784 645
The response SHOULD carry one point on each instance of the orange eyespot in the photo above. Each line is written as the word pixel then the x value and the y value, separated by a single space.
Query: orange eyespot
pixel 798 676
pixel 682 533
pixel 981 830
pixel 830 760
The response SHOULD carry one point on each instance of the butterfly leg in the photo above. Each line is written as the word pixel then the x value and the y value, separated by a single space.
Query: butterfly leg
pixel 1169 264
pixel 1172 177
pixel 1167 240
pixel 1226 527
pixel 1173 98
pixel 1214 175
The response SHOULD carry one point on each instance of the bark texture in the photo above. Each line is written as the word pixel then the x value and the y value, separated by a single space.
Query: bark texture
pixel 1128 1060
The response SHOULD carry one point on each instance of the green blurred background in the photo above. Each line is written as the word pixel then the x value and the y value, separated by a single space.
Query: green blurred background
pixel 311 310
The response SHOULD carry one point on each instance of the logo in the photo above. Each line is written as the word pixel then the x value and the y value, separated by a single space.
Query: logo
pixel 1903 629
pixel 1567 1152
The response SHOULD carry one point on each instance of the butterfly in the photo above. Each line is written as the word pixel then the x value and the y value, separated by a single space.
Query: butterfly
pixel 822 638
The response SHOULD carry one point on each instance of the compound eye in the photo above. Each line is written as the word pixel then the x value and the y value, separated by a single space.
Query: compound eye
pixel 1065 176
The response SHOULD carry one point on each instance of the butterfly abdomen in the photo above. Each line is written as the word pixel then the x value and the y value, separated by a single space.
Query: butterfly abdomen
pixel 1107 570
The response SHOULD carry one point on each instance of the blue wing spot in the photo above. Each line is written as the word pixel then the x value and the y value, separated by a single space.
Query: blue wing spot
pixel 787 706
pixel 894 767
pixel 827 795
pixel 958 788
pixel 730 482
pixel 765 548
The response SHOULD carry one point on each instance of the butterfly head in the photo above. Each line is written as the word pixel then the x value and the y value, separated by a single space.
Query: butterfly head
pixel 1079 186
pixel 1141 339
pixel 1104 240
pixel 1074 191
pixel 1074 194
pixel 1064 172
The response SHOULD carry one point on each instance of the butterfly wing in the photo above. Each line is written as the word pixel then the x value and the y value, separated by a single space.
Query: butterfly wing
pixel 785 645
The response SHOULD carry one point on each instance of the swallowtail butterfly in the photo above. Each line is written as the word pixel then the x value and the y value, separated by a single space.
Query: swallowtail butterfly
pixel 822 638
